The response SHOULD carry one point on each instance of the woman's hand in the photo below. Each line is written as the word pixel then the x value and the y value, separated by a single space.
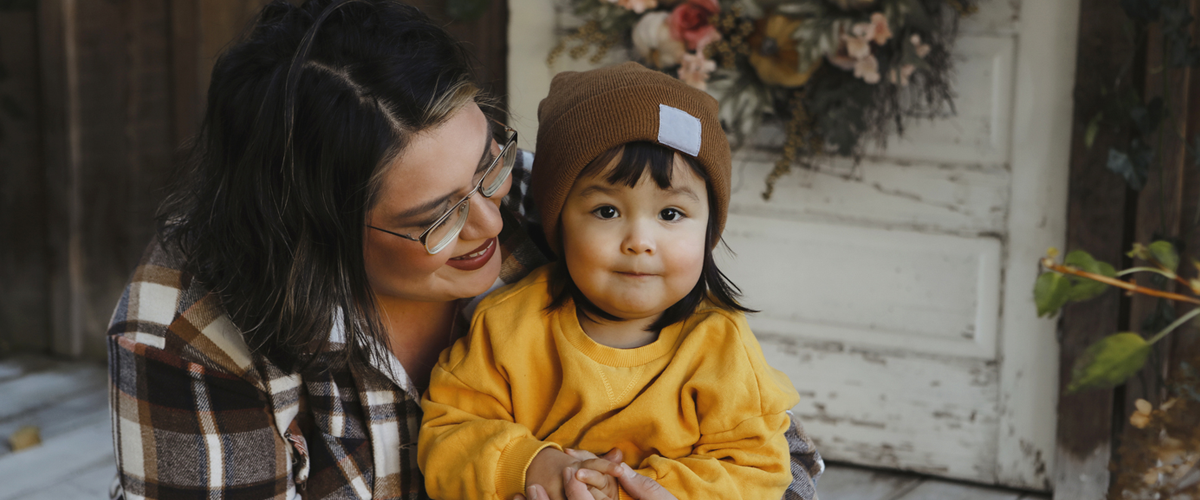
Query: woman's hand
pixel 641 487
pixel 576 482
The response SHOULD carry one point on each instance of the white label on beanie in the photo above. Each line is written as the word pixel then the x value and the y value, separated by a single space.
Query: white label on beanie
pixel 678 129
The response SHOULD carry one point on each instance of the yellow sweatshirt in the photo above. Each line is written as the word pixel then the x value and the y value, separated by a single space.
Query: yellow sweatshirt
pixel 698 410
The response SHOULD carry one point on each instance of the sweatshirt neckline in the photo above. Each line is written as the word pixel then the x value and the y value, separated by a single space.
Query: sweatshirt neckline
pixel 612 356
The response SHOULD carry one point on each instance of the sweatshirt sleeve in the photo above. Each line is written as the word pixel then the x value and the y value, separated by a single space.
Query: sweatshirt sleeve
pixel 470 447
pixel 750 461
pixel 741 403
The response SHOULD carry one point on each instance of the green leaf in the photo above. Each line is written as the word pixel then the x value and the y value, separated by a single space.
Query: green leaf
pixel 1164 254
pixel 1083 288
pixel 1109 362
pixel 1051 292
pixel 1093 127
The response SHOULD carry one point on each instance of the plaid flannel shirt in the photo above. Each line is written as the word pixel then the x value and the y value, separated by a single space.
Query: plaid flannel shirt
pixel 196 414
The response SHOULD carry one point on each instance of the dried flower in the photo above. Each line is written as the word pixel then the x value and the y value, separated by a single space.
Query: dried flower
pixel 857 47
pixel 695 68
pixel 638 6
pixel 880 32
pixel 773 52
pixel 867 68
pixel 690 23
pixel 901 77
pixel 1141 417
pixel 653 41
pixel 922 49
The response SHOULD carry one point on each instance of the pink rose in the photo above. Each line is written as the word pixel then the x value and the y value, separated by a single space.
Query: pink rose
pixel 690 23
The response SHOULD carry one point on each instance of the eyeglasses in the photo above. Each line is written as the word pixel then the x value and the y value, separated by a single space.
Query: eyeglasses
pixel 446 228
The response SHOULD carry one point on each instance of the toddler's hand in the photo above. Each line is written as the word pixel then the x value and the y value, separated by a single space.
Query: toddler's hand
pixel 599 474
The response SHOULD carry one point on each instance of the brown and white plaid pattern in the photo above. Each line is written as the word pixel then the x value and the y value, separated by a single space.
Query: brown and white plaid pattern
pixel 196 415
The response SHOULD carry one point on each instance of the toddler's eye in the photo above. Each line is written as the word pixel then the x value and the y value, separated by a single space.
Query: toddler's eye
pixel 670 214
pixel 605 212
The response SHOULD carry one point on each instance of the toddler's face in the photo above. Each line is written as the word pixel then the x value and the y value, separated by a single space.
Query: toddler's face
pixel 636 251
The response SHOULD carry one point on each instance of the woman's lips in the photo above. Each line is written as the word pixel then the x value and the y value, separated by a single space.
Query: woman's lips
pixel 476 258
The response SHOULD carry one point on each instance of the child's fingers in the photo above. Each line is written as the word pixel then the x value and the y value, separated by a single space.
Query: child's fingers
pixel 614 455
pixel 579 454
pixel 593 478
pixel 599 494
pixel 602 465
pixel 573 488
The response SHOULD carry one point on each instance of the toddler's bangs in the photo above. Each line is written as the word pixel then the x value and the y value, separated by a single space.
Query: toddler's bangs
pixel 630 161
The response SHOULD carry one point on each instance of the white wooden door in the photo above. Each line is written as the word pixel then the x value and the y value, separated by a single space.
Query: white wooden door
pixel 896 294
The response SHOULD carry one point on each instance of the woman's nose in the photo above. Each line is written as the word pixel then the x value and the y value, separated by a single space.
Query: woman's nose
pixel 484 221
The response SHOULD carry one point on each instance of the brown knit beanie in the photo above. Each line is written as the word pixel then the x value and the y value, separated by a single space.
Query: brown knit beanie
pixel 590 112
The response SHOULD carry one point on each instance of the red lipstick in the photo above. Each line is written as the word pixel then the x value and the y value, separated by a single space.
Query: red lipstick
pixel 476 258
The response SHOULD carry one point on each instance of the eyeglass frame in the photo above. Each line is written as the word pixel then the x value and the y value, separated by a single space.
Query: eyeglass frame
pixel 424 236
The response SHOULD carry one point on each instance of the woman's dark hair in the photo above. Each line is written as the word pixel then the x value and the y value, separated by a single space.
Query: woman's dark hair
pixel 630 162
pixel 303 115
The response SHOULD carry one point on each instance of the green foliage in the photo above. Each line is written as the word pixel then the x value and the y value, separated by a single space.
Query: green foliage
pixel 1050 293
pixel 1053 290
pixel 1082 288
pixel 1109 362
pixel 1161 254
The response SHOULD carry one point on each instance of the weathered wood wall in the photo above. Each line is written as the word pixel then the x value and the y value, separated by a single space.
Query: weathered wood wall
pixel 23 285
pixel 1106 217
pixel 96 99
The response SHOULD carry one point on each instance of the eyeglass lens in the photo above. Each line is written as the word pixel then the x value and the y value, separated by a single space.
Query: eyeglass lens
pixel 444 233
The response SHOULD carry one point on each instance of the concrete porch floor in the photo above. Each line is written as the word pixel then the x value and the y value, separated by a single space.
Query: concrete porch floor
pixel 68 402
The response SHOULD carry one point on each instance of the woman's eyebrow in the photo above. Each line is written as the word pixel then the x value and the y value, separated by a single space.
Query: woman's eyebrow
pixel 421 209
pixel 432 204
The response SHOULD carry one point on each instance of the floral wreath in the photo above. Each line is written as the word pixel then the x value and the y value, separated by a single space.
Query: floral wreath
pixel 836 73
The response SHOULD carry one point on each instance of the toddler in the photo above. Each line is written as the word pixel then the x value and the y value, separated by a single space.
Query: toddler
pixel 633 340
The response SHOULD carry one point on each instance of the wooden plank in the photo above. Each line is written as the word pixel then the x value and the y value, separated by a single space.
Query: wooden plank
pixel 187 91
pixel 35 391
pixel 1096 215
pixel 61 417
pixel 24 316
pixel 1159 208
pixel 34 470
pixel 60 154
pixel 1184 344
pixel 942 490
pixel 108 147
pixel 89 483
pixel 852 483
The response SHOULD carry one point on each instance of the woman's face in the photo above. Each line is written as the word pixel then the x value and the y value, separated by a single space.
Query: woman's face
pixel 433 173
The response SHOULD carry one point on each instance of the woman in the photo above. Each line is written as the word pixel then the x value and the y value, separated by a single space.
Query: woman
pixel 342 204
